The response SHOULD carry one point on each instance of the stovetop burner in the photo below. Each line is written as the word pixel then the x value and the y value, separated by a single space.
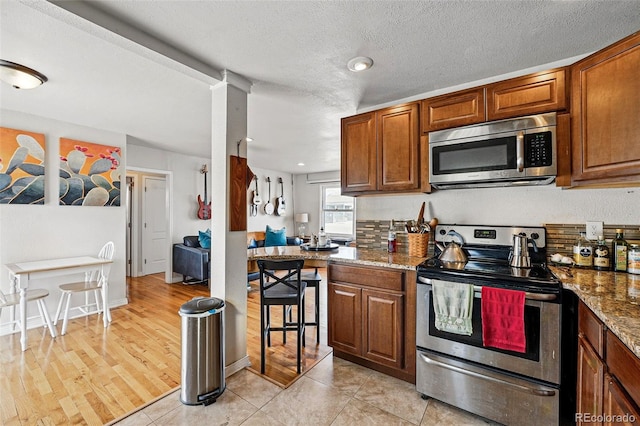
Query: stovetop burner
pixel 488 248
pixel 538 274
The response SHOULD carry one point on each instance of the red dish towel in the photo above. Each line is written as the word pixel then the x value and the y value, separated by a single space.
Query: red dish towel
pixel 503 319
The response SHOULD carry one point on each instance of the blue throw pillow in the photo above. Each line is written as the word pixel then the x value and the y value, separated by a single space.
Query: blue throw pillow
pixel 275 237
pixel 205 239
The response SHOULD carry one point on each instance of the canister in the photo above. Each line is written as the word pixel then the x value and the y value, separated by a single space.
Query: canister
pixel 633 265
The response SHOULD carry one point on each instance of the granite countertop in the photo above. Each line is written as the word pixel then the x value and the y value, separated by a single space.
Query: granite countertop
pixel 613 296
pixel 343 254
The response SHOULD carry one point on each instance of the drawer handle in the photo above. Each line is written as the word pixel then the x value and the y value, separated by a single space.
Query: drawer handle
pixel 521 388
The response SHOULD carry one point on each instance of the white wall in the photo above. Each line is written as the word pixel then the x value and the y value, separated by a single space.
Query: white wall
pixel 49 231
pixel 530 205
pixel 261 220
pixel 187 183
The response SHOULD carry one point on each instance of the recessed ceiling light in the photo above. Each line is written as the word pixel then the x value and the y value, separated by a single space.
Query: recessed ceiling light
pixel 19 76
pixel 360 63
pixel 300 164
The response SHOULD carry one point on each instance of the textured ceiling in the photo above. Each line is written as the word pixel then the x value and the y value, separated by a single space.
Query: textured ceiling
pixel 294 53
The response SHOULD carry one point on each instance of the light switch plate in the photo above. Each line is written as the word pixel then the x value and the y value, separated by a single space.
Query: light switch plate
pixel 594 229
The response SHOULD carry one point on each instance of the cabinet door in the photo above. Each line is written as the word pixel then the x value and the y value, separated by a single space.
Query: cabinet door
pixel 345 318
pixel 453 110
pixel 605 106
pixel 398 148
pixel 531 94
pixel 383 327
pixel 618 408
pixel 358 153
pixel 590 381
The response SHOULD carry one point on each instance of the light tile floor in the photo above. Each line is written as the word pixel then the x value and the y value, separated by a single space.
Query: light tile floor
pixel 334 392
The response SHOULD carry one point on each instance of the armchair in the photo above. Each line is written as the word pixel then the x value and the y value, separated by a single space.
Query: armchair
pixel 191 260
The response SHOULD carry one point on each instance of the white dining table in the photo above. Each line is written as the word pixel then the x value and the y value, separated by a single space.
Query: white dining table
pixel 22 273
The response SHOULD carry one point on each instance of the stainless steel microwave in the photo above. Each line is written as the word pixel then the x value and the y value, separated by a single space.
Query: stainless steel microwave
pixel 520 151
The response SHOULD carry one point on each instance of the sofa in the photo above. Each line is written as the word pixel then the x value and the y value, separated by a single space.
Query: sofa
pixel 191 260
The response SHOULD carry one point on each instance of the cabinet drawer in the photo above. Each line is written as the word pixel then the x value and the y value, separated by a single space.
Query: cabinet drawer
pixel 368 276
pixel 624 365
pixel 592 328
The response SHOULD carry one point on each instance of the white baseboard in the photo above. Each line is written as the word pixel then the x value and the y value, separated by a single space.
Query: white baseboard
pixel 237 366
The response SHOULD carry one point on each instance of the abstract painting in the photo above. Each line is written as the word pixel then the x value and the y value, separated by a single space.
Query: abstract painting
pixel 22 167
pixel 90 174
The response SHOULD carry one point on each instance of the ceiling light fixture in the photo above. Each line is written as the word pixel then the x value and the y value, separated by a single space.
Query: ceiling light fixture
pixel 19 76
pixel 300 164
pixel 360 63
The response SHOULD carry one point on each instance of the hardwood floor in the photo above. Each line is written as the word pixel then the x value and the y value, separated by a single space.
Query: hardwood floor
pixel 93 374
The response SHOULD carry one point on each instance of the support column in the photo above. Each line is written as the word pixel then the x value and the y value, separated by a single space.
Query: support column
pixel 229 249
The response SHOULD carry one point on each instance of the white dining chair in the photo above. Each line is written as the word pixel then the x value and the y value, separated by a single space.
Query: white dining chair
pixel 35 295
pixel 96 281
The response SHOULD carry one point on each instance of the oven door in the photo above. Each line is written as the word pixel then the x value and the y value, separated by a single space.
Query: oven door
pixel 542 330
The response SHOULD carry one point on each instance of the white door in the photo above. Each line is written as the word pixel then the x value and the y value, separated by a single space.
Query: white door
pixel 154 225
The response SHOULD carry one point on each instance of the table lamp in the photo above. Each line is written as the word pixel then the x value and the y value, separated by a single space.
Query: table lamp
pixel 301 220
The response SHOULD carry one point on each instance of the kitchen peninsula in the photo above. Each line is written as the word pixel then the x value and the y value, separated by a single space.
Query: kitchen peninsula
pixel 343 254
pixel 371 304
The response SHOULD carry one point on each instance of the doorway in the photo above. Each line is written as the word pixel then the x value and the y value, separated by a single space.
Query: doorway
pixel 149 226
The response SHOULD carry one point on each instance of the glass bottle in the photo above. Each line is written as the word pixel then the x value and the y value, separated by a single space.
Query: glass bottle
pixel 583 252
pixel 391 238
pixel 322 238
pixel 601 259
pixel 619 252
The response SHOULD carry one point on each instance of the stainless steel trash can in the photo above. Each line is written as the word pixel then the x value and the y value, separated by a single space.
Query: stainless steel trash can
pixel 202 350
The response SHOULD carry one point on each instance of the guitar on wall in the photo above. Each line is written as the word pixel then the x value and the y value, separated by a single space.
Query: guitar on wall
pixel 204 207
pixel 256 201
pixel 280 204
pixel 268 207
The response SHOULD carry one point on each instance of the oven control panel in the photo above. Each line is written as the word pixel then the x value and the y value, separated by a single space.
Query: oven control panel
pixel 489 235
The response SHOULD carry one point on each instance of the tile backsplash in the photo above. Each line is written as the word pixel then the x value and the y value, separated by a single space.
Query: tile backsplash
pixel 560 237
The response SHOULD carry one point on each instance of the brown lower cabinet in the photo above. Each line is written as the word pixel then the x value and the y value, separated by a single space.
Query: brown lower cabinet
pixel 371 318
pixel 608 383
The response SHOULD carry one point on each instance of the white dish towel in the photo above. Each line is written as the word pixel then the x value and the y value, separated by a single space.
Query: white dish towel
pixel 453 306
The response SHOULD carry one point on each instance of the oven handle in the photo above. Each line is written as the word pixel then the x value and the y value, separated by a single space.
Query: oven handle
pixel 521 388
pixel 544 297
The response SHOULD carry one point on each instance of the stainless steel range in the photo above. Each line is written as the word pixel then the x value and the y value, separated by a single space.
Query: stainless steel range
pixel 502 384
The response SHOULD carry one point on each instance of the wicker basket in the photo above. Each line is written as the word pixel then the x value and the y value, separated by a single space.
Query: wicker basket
pixel 418 244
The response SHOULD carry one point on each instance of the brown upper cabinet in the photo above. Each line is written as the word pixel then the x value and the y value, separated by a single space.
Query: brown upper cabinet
pixel 453 110
pixel 531 94
pixel 605 116
pixel 382 152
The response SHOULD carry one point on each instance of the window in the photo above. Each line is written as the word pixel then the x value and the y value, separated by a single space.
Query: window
pixel 338 214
